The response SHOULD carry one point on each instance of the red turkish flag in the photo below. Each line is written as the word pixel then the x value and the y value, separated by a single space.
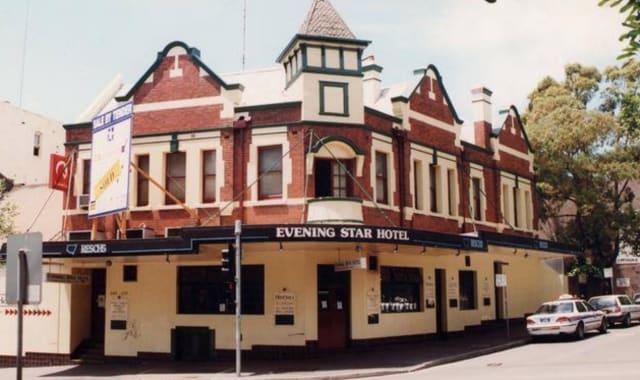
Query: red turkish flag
pixel 59 170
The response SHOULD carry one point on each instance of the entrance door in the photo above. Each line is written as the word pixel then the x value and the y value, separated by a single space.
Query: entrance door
pixel 499 292
pixel 333 307
pixel 98 300
pixel 441 302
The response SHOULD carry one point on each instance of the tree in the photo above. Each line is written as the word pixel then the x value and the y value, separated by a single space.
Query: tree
pixel 7 211
pixel 586 147
pixel 631 22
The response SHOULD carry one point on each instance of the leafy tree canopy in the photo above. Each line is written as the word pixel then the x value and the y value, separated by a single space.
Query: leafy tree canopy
pixel 631 22
pixel 585 132
pixel 7 212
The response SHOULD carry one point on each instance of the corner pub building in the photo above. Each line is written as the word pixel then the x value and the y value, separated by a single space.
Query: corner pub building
pixel 369 213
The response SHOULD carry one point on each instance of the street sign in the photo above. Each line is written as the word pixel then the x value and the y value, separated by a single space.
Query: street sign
pixel 84 279
pixel 608 272
pixel 501 280
pixel 31 245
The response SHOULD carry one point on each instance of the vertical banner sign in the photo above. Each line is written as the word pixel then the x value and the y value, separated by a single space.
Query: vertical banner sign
pixel 110 158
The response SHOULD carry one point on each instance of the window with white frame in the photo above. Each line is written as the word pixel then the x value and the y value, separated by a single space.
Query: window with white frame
pixel 142 182
pixel 382 188
pixel 418 185
pixel 176 176
pixel 476 198
pixel 208 176
pixel 451 192
pixel 434 184
pixel 516 207
pixel 37 137
pixel 270 172
pixel 528 208
pixel 506 204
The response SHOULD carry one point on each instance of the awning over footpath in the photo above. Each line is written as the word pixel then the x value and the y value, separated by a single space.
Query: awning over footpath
pixel 189 239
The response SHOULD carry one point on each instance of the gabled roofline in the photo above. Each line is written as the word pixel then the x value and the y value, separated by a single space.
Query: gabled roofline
pixel 193 53
pixel 524 132
pixel 308 37
pixel 444 91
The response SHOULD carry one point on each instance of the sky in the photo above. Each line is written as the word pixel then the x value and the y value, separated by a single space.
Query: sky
pixel 75 47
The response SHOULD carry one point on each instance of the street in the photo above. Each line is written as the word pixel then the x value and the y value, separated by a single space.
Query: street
pixel 610 356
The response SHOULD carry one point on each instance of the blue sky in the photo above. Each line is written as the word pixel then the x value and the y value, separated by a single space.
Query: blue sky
pixel 75 47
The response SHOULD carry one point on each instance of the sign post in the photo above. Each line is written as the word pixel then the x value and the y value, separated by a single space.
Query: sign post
pixel 501 282
pixel 237 232
pixel 608 273
pixel 24 279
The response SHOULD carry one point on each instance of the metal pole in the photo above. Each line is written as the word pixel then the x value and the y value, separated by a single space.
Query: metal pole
pixel 506 312
pixel 22 274
pixel 238 280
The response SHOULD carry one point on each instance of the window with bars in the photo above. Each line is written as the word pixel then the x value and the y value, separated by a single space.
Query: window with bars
pixel 142 182
pixel 270 172
pixel 208 176
pixel 382 190
pixel 175 176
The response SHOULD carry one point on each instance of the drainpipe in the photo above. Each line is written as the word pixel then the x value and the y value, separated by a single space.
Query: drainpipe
pixel 400 136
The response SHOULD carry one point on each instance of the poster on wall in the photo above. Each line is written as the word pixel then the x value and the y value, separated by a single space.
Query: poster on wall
pixel 110 158
pixel 430 293
pixel 118 310
pixel 373 307
pixel 284 308
pixel 452 292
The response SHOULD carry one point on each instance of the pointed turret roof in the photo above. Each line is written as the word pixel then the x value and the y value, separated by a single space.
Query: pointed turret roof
pixel 324 21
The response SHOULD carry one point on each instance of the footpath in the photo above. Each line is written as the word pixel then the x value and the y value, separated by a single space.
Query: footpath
pixel 350 364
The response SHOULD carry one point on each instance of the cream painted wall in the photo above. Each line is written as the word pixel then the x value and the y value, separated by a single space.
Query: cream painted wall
pixel 311 98
pixel 152 300
pixel 48 334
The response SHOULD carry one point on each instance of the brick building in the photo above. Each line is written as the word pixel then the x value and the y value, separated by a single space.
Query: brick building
pixel 369 213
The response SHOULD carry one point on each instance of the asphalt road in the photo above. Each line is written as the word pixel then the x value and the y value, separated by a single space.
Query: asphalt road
pixel 614 355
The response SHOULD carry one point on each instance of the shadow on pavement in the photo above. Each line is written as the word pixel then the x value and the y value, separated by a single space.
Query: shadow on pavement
pixel 386 358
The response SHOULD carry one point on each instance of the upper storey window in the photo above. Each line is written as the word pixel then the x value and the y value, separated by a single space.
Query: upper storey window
pixel 208 176
pixel 270 172
pixel 382 187
pixel 175 176
pixel 332 178
pixel 334 98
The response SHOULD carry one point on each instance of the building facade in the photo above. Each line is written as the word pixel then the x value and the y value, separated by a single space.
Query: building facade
pixel 369 213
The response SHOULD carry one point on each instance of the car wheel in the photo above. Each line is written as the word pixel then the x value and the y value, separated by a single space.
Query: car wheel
pixel 627 321
pixel 579 334
pixel 603 326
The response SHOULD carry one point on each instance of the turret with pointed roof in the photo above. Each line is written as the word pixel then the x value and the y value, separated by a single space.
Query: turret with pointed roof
pixel 323 63
pixel 323 20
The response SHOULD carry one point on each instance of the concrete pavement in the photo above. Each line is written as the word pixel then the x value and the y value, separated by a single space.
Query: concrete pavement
pixel 354 363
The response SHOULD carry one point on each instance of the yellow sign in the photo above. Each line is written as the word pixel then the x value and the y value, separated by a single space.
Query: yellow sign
pixel 110 176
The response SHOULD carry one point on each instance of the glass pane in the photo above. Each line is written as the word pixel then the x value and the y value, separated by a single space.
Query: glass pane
pixel 209 162
pixel 176 164
pixel 270 159
pixel 271 184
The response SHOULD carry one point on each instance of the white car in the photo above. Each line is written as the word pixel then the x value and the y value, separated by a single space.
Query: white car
pixel 618 308
pixel 566 317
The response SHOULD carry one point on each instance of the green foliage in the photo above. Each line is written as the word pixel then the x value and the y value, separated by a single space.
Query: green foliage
pixel 586 156
pixel 7 213
pixel 631 23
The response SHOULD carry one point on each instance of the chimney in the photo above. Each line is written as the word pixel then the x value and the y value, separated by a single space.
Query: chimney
pixel 481 103
pixel 371 82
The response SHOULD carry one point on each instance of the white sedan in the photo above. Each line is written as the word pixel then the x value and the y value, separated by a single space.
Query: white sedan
pixel 566 316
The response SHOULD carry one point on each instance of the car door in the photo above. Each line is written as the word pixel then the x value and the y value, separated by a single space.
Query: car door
pixel 595 315
pixel 589 317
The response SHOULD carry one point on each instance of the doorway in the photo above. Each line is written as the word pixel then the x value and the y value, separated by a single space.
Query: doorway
pixel 333 307
pixel 98 300
pixel 441 302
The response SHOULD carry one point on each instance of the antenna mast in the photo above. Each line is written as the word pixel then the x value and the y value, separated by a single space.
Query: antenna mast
pixel 244 35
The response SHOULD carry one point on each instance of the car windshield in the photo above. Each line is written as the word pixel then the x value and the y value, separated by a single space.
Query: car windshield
pixel 554 308
pixel 600 303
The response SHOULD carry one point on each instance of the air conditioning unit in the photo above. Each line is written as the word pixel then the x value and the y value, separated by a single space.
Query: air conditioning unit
pixel 83 235
pixel 139 233
pixel 172 232
pixel 83 201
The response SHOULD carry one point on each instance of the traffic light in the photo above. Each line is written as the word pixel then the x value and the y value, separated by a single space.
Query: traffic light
pixel 229 261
